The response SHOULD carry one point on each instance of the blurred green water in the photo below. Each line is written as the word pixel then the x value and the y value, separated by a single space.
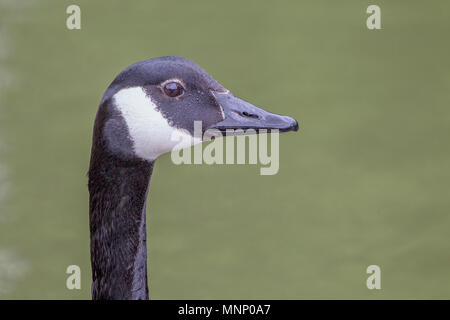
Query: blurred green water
pixel 365 181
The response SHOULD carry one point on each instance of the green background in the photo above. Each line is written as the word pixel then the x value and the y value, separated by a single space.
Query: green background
pixel 365 181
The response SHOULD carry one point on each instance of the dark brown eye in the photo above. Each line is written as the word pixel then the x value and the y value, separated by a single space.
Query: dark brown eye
pixel 173 89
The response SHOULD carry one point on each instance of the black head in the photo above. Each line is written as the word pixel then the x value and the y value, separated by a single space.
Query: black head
pixel 155 100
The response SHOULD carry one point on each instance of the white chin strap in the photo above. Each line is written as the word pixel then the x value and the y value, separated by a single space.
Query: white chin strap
pixel 151 133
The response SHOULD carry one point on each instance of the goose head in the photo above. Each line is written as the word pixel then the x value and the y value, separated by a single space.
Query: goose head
pixel 144 112
pixel 151 102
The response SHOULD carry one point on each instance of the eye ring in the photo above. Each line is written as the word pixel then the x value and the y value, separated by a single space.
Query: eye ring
pixel 173 88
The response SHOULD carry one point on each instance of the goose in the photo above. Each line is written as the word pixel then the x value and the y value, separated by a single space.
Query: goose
pixel 140 111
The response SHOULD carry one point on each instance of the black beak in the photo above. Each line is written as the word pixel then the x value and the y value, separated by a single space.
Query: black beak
pixel 240 114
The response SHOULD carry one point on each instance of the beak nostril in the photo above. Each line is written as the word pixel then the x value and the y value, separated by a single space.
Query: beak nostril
pixel 249 115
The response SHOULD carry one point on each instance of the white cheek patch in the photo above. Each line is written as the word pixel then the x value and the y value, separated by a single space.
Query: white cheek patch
pixel 151 133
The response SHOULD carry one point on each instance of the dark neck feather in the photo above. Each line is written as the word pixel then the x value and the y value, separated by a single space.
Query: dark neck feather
pixel 118 191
